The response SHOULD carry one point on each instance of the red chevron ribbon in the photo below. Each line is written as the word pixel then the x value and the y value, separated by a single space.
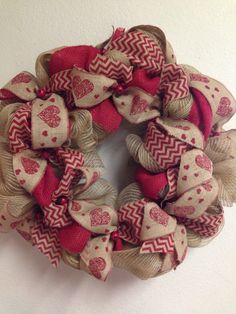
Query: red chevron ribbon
pixel 164 148
pixel 174 83
pixel 130 218
pixel 141 49
pixel 46 240
pixel 172 176
pixel 60 81
pixel 55 215
pixel 114 69
pixel 206 225
pixel 163 244
pixel 19 134
pixel 73 160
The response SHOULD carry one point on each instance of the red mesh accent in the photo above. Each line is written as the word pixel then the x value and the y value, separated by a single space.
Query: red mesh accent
pixel 201 114
pixel 45 188
pixel 151 184
pixel 144 81
pixel 74 237
pixel 106 116
pixel 67 57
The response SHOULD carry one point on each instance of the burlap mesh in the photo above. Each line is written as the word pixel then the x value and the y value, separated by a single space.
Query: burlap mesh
pixel 140 154
pixel 82 130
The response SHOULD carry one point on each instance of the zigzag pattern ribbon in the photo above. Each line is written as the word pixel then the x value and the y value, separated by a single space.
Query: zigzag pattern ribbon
pixel 114 69
pixel 55 215
pixel 163 244
pixel 165 149
pixel 172 176
pixel 19 131
pixel 46 240
pixel 174 83
pixel 130 221
pixel 73 161
pixel 60 81
pixel 141 50
pixel 206 225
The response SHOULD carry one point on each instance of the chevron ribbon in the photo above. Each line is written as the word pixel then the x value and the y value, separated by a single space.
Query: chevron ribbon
pixel 60 81
pixel 163 244
pixel 46 240
pixel 130 218
pixel 172 176
pixel 114 69
pixel 206 225
pixel 165 149
pixel 141 50
pixel 19 133
pixel 55 215
pixel 174 83
pixel 73 161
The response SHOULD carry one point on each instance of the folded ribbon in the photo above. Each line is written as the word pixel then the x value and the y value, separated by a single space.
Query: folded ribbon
pixel 144 223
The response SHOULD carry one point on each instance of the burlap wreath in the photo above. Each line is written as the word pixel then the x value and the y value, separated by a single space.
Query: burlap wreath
pixel 51 190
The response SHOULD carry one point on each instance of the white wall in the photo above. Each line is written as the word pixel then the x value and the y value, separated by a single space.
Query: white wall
pixel 203 33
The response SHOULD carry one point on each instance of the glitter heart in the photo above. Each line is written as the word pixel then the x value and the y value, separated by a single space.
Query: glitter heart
pixel 203 162
pixel 30 166
pixel 224 108
pixel 159 216
pixel 99 217
pixel 50 116
pixel 21 78
pixel 81 88
pixel 138 105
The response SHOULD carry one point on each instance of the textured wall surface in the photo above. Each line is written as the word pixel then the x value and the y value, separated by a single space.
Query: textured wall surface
pixel 203 34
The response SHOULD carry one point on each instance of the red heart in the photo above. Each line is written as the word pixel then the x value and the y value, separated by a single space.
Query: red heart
pixel 45 133
pixel 159 216
pixel 17 172
pixel 186 167
pixel 185 128
pixel 183 211
pixel 99 217
pixel 184 178
pixel 50 116
pixel 203 162
pixel 96 265
pixel 224 108
pixel 30 166
pixel 138 105
pixel 207 186
pixel 81 88
pixel 21 78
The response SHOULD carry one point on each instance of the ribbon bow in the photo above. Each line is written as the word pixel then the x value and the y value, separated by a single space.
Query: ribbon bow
pixel 40 122
pixel 144 223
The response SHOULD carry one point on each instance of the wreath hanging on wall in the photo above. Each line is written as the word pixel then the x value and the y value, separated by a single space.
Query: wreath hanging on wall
pixel 51 190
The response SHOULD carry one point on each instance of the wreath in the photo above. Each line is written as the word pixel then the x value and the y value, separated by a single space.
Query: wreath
pixel 183 161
